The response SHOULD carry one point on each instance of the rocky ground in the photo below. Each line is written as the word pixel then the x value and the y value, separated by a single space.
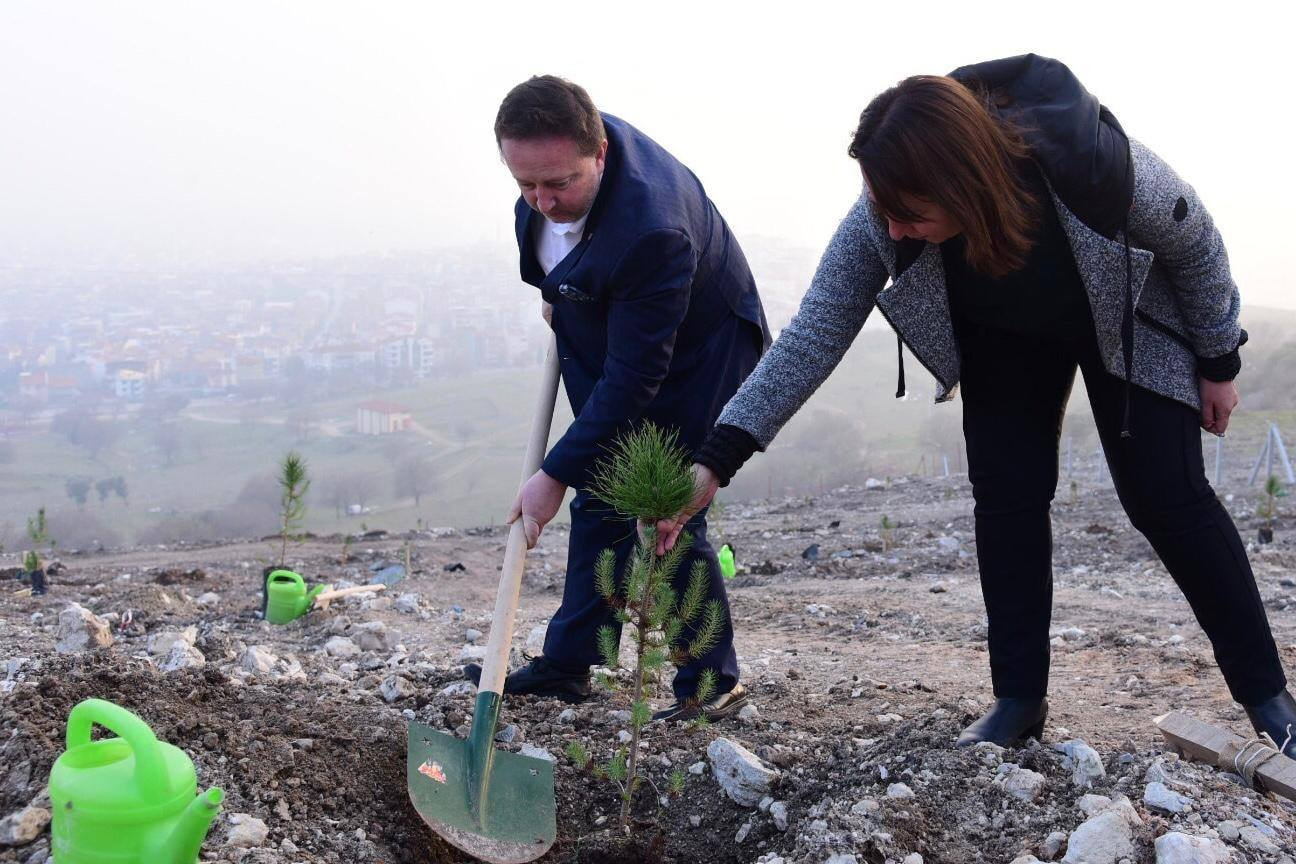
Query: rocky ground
pixel 864 649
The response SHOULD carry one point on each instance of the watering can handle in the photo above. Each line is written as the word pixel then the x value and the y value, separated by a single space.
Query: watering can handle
pixel 277 576
pixel 149 771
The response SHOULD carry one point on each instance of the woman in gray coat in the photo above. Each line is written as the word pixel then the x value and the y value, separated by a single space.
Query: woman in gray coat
pixel 1011 232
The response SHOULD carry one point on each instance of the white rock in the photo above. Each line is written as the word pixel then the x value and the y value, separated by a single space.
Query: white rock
pixel 1103 839
pixel 374 636
pixel 873 483
pixel 183 656
pixel 535 640
pixel 912 858
pixel 258 660
pixel 208 600
pixel 947 544
pixel 537 752
pixel 471 635
pixel 341 646
pixel 865 807
pixel 743 831
pixel 1254 838
pixel 843 858
pixel 459 688
pixel 160 644
pixel 567 717
pixel 79 629
pixel 899 790
pixel 1052 845
pixel 24 826
pixel 407 603
pixel 395 687
pixel 246 831
pixel 1026 859
pixel 740 773
pixel 779 813
pixel 749 714
pixel 1161 797
pixel 1092 805
pixel 1082 761
pixel 1021 783
pixel 472 653
pixel 697 768
pixel 1177 848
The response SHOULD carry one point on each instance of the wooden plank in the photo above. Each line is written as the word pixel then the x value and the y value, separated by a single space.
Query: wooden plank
pixel 1206 743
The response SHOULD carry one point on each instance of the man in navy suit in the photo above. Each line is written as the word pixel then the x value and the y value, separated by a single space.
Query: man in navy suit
pixel 657 319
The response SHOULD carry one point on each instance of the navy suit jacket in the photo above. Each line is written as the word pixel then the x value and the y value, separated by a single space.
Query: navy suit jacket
pixel 655 310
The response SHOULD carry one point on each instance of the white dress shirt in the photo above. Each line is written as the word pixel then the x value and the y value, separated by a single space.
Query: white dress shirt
pixel 553 240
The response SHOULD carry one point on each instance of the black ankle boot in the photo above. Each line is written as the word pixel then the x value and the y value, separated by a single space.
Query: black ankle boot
pixel 1277 716
pixel 1008 723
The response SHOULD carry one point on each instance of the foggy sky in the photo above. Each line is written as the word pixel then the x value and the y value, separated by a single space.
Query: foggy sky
pixel 177 133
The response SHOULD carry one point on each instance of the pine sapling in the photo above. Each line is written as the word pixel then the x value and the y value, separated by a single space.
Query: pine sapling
pixel 885 527
pixel 293 484
pixel 38 533
pixel 647 477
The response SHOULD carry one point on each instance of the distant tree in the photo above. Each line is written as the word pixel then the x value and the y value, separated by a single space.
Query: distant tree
pixel 301 421
pixel 119 486
pixel 414 477
pixel 78 489
pixel 168 440
pixel 104 488
pixel 342 490
pixel 82 428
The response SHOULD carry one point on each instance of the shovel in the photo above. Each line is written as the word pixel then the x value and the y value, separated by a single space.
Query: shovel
pixel 495 805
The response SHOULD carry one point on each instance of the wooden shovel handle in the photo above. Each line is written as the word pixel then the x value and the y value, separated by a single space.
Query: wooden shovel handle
pixel 495 664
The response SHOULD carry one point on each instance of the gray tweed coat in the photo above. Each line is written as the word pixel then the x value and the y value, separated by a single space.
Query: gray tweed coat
pixel 1186 303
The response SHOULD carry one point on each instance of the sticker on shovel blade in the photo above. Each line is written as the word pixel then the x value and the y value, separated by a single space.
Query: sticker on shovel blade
pixel 433 770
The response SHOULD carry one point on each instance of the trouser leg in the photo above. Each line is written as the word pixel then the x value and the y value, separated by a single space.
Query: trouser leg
pixel 1014 394
pixel 1161 481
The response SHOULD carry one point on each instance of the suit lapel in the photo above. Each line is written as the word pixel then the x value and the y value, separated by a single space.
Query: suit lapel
pixel 916 305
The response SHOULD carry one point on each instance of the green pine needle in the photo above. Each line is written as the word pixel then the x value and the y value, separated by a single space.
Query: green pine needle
pixel 578 755
pixel 675 785
pixel 605 574
pixel 616 766
pixel 646 475
pixel 609 646
pixel 708 634
pixel 706 686
pixel 640 713
pixel 691 605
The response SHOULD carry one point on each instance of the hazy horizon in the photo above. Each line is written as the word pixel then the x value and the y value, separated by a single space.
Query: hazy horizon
pixel 153 135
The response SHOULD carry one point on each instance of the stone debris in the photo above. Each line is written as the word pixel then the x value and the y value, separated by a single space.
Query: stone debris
pixel 537 753
pixel 1021 783
pixel 899 790
pixel 535 640
pixel 341 646
pixel 1158 796
pixel 1178 848
pixel 24 826
pixel 1082 761
pixel 80 629
pixel 740 773
pixel 394 688
pixel 258 660
pixel 246 831
pixel 161 644
pixel 182 656
pixel 1102 839
pixel 374 636
pixel 779 813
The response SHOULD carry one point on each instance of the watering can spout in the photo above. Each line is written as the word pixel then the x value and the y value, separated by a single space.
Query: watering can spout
pixel 187 838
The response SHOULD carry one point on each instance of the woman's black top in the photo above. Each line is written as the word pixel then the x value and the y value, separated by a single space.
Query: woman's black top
pixel 1044 300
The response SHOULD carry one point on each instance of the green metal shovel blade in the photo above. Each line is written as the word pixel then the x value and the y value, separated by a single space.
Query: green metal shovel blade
pixel 496 806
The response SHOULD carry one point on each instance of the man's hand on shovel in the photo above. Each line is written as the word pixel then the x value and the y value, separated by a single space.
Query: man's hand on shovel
pixel 537 503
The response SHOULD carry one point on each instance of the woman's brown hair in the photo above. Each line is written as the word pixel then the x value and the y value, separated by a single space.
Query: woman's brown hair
pixel 930 137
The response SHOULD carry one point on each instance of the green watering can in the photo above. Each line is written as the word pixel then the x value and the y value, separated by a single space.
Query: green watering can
pixel 286 596
pixel 125 800
pixel 728 567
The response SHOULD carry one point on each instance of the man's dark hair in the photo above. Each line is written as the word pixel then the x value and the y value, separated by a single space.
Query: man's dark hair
pixel 546 106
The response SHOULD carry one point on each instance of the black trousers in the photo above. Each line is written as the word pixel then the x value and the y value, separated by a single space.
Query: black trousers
pixel 1015 391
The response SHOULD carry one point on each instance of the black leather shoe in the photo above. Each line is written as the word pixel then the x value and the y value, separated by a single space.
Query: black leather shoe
pixel 1008 723
pixel 540 678
pixel 720 707
pixel 1277 716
